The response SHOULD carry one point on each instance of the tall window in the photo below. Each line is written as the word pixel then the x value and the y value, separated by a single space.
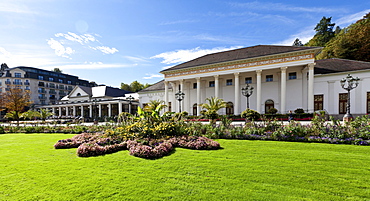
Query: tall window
pixel 318 102
pixel 41 77
pixel 195 85
pixel 195 109
pixel 169 107
pixel 229 82
pixel 51 79
pixel 343 103
pixel 211 83
pixel 292 76
pixel 248 80
pixel 268 105
pixel 269 78
pixel 368 103
pixel 17 75
pixel 229 108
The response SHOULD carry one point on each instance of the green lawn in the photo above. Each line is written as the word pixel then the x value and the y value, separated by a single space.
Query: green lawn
pixel 31 169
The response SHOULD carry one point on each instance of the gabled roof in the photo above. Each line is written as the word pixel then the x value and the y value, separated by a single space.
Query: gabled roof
pixel 238 54
pixel 334 65
pixel 156 87
pixel 86 89
pixel 115 92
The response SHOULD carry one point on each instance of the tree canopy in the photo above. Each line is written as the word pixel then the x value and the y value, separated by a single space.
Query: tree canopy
pixel 324 32
pixel 135 86
pixel 352 42
pixel 15 100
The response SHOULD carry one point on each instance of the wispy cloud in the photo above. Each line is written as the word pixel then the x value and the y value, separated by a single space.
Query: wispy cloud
pixel 178 22
pixel 85 40
pixel 15 7
pixel 136 59
pixel 269 6
pixel 4 53
pixel 187 55
pixel 92 66
pixel 105 50
pixel 151 76
pixel 349 19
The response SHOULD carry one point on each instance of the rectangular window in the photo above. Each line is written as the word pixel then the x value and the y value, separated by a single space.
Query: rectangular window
pixel 51 85
pixel 51 79
pixel 17 75
pixel 318 102
pixel 248 80
pixel 269 78
pixel 27 88
pixel 343 103
pixel 41 77
pixel 17 82
pixel 195 85
pixel 27 82
pixel 211 83
pixel 293 75
pixel 60 81
pixel 61 86
pixel 229 82
pixel 69 82
pixel 7 81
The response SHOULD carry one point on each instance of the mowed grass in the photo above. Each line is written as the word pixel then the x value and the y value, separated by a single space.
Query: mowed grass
pixel 31 169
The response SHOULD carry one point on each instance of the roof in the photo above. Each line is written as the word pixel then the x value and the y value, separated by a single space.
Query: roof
pixel 334 65
pixel 238 54
pixel 156 87
pixel 86 89
pixel 115 92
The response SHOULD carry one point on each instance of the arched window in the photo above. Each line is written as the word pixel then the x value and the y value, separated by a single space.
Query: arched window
pixel 268 105
pixel 78 94
pixel 195 109
pixel 229 108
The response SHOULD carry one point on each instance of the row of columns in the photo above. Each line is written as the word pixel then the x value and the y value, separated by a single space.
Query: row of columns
pixel 310 90
pixel 81 107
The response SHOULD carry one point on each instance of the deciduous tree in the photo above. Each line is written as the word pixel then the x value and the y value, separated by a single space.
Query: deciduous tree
pixel 15 100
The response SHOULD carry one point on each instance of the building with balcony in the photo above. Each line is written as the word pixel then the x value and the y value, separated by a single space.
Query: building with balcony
pixel 283 77
pixel 46 87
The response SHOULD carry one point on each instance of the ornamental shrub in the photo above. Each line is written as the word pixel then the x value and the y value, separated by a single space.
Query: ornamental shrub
pixel 250 115
pixel 2 130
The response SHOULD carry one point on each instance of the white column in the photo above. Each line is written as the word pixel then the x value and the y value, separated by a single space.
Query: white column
pixel 304 88
pixel 67 111
pixel 119 107
pixel 82 110
pixel 237 94
pixel 198 96
pixel 60 111
pixel 182 89
pixel 259 90
pixel 283 90
pixel 217 86
pixel 74 111
pixel 174 101
pixel 187 97
pixel 53 109
pixel 310 95
pixel 109 110
pixel 90 110
pixel 99 110
pixel 166 94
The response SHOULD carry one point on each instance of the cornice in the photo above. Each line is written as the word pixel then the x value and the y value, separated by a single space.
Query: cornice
pixel 245 63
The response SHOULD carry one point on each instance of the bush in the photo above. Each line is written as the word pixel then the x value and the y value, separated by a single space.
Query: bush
pixel 251 115
pixel 272 111
pixel 2 130
pixel 299 111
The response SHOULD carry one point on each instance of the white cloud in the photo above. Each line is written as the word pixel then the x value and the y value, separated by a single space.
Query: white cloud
pixel 179 56
pixel 151 76
pixel 349 19
pixel 60 50
pixel 82 39
pixel 14 7
pixel 256 5
pixel 136 59
pixel 4 53
pixel 105 50
pixel 91 66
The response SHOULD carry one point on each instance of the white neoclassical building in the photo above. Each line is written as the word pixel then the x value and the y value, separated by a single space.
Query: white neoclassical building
pixel 283 77
pixel 95 102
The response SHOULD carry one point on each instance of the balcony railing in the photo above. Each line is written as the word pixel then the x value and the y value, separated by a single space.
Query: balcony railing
pixel 41 84
pixel 17 83
pixel 52 92
pixel 42 91
pixel 7 82
pixel 26 83
pixel 42 97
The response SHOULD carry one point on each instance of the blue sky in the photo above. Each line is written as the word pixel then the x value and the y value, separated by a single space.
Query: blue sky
pixel 114 41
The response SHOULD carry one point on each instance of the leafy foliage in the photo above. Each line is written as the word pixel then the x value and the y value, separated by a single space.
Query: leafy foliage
pixel 15 100
pixel 135 86
pixel 250 115
pixel 324 32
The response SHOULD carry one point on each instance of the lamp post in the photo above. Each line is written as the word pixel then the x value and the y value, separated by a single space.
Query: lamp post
pixel 348 83
pixel 247 91
pixel 130 99
pixel 94 112
pixel 179 96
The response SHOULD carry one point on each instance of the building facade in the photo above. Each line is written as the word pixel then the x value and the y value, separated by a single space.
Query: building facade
pixel 94 102
pixel 46 87
pixel 283 77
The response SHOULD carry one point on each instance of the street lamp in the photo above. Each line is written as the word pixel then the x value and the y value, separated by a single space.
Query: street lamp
pixel 179 96
pixel 130 99
pixel 94 111
pixel 247 91
pixel 348 83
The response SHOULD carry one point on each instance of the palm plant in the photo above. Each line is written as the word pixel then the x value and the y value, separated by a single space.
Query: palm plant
pixel 30 114
pixel 213 106
pixel 44 113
